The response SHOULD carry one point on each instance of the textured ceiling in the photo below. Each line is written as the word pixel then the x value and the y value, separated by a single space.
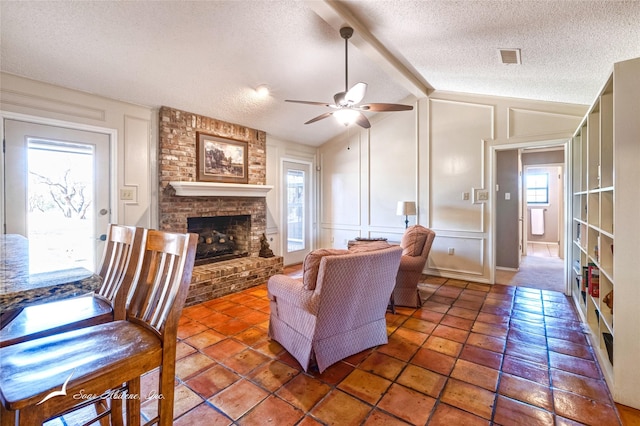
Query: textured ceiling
pixel 206 57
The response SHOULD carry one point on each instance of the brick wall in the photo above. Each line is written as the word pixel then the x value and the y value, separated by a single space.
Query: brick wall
pixel 177 162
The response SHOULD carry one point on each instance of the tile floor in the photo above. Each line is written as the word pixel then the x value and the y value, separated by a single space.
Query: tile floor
pixel 474 354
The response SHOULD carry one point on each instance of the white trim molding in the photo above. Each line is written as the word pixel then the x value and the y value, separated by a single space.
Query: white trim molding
pixel 215 189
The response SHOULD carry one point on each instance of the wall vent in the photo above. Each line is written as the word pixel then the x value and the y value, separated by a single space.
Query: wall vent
pixel 510 56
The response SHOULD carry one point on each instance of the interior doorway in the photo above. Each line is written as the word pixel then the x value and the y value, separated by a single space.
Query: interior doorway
pixel 531 206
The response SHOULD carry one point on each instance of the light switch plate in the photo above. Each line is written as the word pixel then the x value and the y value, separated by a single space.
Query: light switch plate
pixel 480 195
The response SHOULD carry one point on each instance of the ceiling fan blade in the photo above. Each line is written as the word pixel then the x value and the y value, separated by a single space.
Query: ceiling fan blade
pixel 309 102
pixel 356 93
pixel 362 121
pixel 384 107
pixel 320 117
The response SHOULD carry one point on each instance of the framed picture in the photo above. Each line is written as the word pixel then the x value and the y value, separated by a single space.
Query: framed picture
pixel 221 160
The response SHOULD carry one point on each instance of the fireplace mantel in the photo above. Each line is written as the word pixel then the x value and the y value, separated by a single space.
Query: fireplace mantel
pixel 215 189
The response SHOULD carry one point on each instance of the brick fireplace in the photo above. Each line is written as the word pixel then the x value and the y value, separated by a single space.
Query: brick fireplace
pixel 177 163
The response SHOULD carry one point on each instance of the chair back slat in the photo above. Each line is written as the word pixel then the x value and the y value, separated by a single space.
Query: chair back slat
pixel 120 264
pixel 164 279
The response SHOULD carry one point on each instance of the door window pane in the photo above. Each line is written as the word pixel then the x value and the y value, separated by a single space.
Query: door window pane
pixel 295 210
pixel 60 194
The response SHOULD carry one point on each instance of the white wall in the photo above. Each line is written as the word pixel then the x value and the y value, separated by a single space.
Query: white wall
pixel 432 155
pixel 133 128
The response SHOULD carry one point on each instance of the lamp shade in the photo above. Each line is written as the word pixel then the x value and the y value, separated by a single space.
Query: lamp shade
pixel 406 208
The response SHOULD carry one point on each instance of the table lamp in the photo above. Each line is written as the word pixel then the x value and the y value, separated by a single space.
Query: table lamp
pixel 406 209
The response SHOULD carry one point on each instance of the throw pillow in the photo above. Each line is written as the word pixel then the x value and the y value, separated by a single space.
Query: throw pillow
pixel 364 246
pixel 413 241
pixel 311 265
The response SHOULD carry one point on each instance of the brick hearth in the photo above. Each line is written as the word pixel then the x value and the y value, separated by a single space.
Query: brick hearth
pixel 177 162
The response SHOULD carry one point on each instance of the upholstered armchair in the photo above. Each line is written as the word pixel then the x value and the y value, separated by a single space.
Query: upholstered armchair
pixel 339 307
pixel 416 244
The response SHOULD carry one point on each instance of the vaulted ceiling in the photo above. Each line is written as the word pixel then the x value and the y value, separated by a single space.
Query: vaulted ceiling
pixel 207 57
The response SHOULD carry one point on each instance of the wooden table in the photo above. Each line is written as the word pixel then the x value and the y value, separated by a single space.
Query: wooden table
pixel 19 288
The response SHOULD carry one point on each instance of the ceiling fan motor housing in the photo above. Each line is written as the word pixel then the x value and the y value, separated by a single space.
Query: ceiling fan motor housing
pixel 346 32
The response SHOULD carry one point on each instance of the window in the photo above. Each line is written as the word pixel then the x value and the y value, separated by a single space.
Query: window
pixel 537 185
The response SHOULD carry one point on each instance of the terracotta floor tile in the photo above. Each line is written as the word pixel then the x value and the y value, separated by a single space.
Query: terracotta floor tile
pixel 238 398
pixel 365 386
pixel 446 332
pixel 410 336
pixel 273 375
pixel 182 350
pixel 469 398
pixel 445 346
pixel 422 380
pixel 224 349
pixel 438 368
pixel 419 325
pixel 203 415
pixel 246 361
pixel 184 399
pixel 430 314
pixel 526 391
pixel 232 327
pixel 399 348
pixel 190 328
pixel 573 364
pixel 382 365
pixel 492 319
pixel 274 411
pixel 583 409
pixel 341 409
pixel 457 322
pixel 212 381
pixel 595 389
pixel 525 369
pixel 569 348
pixel 511 412
pixel 529 353
pixel 303 391
pixel 476 374
pixel 574 336
pixel 380 418
pixel 528 338
pixel 463 313
pixel 335 373
pixel 446 415
pixel 192 365
pixel 215 319
pixel 481 356
pixel 491 343
pixel 251 336
pixel 495 330
pixel 204 339
pixel 408 404
pixel 434 361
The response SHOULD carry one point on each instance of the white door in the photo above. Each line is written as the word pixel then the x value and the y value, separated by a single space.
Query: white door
pixel 297 220
pixel 57 193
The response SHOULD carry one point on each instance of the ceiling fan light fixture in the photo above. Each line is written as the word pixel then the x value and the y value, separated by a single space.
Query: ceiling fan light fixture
pixel 262 91
pixel 346 116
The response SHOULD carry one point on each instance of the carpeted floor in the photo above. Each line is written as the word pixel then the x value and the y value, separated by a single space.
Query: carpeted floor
pixel 543 273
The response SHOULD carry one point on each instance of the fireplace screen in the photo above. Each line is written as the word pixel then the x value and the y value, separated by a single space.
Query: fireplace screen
pixel 220 237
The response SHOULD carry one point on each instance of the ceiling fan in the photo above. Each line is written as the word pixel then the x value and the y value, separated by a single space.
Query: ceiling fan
pixel 346 108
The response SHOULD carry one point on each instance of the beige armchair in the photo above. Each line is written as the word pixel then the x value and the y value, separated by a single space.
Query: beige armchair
pixel 416 244
pixel 338 309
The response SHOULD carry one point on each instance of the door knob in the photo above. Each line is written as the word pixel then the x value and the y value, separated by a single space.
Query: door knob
pixel 103 237
pixel 103 212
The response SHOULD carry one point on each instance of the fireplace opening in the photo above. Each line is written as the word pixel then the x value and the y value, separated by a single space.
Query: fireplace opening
pixel 220 237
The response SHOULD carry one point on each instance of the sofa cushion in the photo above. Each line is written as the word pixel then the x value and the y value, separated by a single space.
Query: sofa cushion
pixel 311 265
pixel 413 241
pixel 364 246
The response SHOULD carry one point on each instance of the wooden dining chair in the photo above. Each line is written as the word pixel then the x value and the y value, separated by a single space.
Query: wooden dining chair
pixel 91 361
pixel 120 261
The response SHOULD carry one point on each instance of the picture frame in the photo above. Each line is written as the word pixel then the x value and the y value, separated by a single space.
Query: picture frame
pixel 221 160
